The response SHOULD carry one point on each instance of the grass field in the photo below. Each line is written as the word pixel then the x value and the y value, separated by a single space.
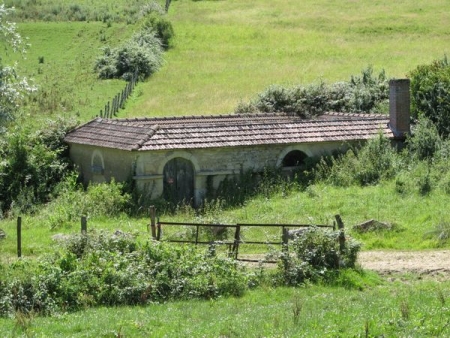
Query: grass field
pixel 225 52
pixel 228 51
pixel 408 308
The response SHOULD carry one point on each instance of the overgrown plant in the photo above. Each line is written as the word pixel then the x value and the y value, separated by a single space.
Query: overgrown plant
pixel 115 270
pixel 369 164
pixel 32 165
pixel 314 255
pixel 366 93
pixel 430 88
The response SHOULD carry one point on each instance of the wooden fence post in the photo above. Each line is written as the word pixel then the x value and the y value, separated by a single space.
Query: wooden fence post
pixel 19 236
pixel 158 230
pixel 153 221
pixel 196 235
pixel 237 238
pixel 340 225
pixel 83 225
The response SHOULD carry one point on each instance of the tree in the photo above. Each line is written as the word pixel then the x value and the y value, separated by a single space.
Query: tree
pixel 12 87
pixel 430 94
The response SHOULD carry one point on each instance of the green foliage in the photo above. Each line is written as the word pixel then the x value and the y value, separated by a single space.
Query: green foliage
pixel 366 93
pixel 425 142
pixel 371 163
pixel 162 27
pixel 106 199
pixel 314 254
pixel 114 270
pixel 33 163
pixel 141 55
pixel 430 94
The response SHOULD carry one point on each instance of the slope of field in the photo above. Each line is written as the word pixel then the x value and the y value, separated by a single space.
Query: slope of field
pixel 228 51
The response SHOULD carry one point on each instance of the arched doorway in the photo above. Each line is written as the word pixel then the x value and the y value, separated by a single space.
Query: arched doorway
pixel 294 158
pixel 179 181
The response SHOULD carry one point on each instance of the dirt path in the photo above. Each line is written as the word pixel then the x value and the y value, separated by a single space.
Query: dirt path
pixel 429 262
pixel 434 262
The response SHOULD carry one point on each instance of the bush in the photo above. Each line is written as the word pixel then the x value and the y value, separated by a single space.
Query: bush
pixel 33 163
pixel 373 162
pixel 106 199
pixel 115 270
pixel 313 255
pixel 366 93
pixel 425 141
pixel 163 29
pixel 430 94
pixel 141 55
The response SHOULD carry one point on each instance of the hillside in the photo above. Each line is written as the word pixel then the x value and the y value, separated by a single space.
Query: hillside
pixel 225 52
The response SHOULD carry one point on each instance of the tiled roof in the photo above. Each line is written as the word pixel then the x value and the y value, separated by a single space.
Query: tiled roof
pixel 226 131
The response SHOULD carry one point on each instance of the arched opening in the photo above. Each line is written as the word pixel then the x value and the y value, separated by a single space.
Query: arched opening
pixel 294 158
pixel 178 184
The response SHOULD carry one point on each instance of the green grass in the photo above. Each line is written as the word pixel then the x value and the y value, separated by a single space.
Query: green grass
pixel 413 217
pixel 225 52
pixel 413 308
pixel 228 51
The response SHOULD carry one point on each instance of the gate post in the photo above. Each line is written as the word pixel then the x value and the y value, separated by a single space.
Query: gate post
pixel 237 238
pixel 340 225
pixel 153 221
pixel 19 237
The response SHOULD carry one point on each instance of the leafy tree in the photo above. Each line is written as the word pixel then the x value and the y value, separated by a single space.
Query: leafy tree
pixel 430 94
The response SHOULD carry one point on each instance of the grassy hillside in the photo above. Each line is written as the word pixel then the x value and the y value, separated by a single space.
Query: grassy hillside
pixel 228 51
pixel 225 52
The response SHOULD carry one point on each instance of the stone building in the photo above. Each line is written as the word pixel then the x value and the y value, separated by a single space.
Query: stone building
pixel 175 156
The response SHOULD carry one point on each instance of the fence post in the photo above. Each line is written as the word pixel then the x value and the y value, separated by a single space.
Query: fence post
pixel 19 236
pixel 237 238
pixel 83 225
pixel 153 221
pixel 158 230
pixel 340 225
pixel 196 235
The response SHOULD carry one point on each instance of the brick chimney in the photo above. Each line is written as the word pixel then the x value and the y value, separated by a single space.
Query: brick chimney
pixel 399 107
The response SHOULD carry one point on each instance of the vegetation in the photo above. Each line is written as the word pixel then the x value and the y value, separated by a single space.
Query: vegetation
pixel 409 189
pixel 430 88
pixel 365 93
pixel 141 55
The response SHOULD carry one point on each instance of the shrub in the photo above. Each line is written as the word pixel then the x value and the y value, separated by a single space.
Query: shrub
pixel 162 27
pixel 373 162
pixel 141 55
pixel 425 141
pixel 365 93
pixel 314 254
pixel 32 165
pixel 106 199
pixel 430 88
pixel 114 270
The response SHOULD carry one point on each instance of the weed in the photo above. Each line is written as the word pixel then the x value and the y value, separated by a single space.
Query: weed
pixel 405 310
pixel 297 306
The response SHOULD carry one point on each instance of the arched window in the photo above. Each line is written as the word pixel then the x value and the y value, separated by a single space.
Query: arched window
pixel 294 158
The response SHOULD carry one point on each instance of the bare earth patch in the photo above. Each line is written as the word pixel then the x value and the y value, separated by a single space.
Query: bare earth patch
pixel 435 262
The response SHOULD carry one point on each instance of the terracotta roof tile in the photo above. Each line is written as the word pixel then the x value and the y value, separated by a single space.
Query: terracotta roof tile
pixel 226 130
